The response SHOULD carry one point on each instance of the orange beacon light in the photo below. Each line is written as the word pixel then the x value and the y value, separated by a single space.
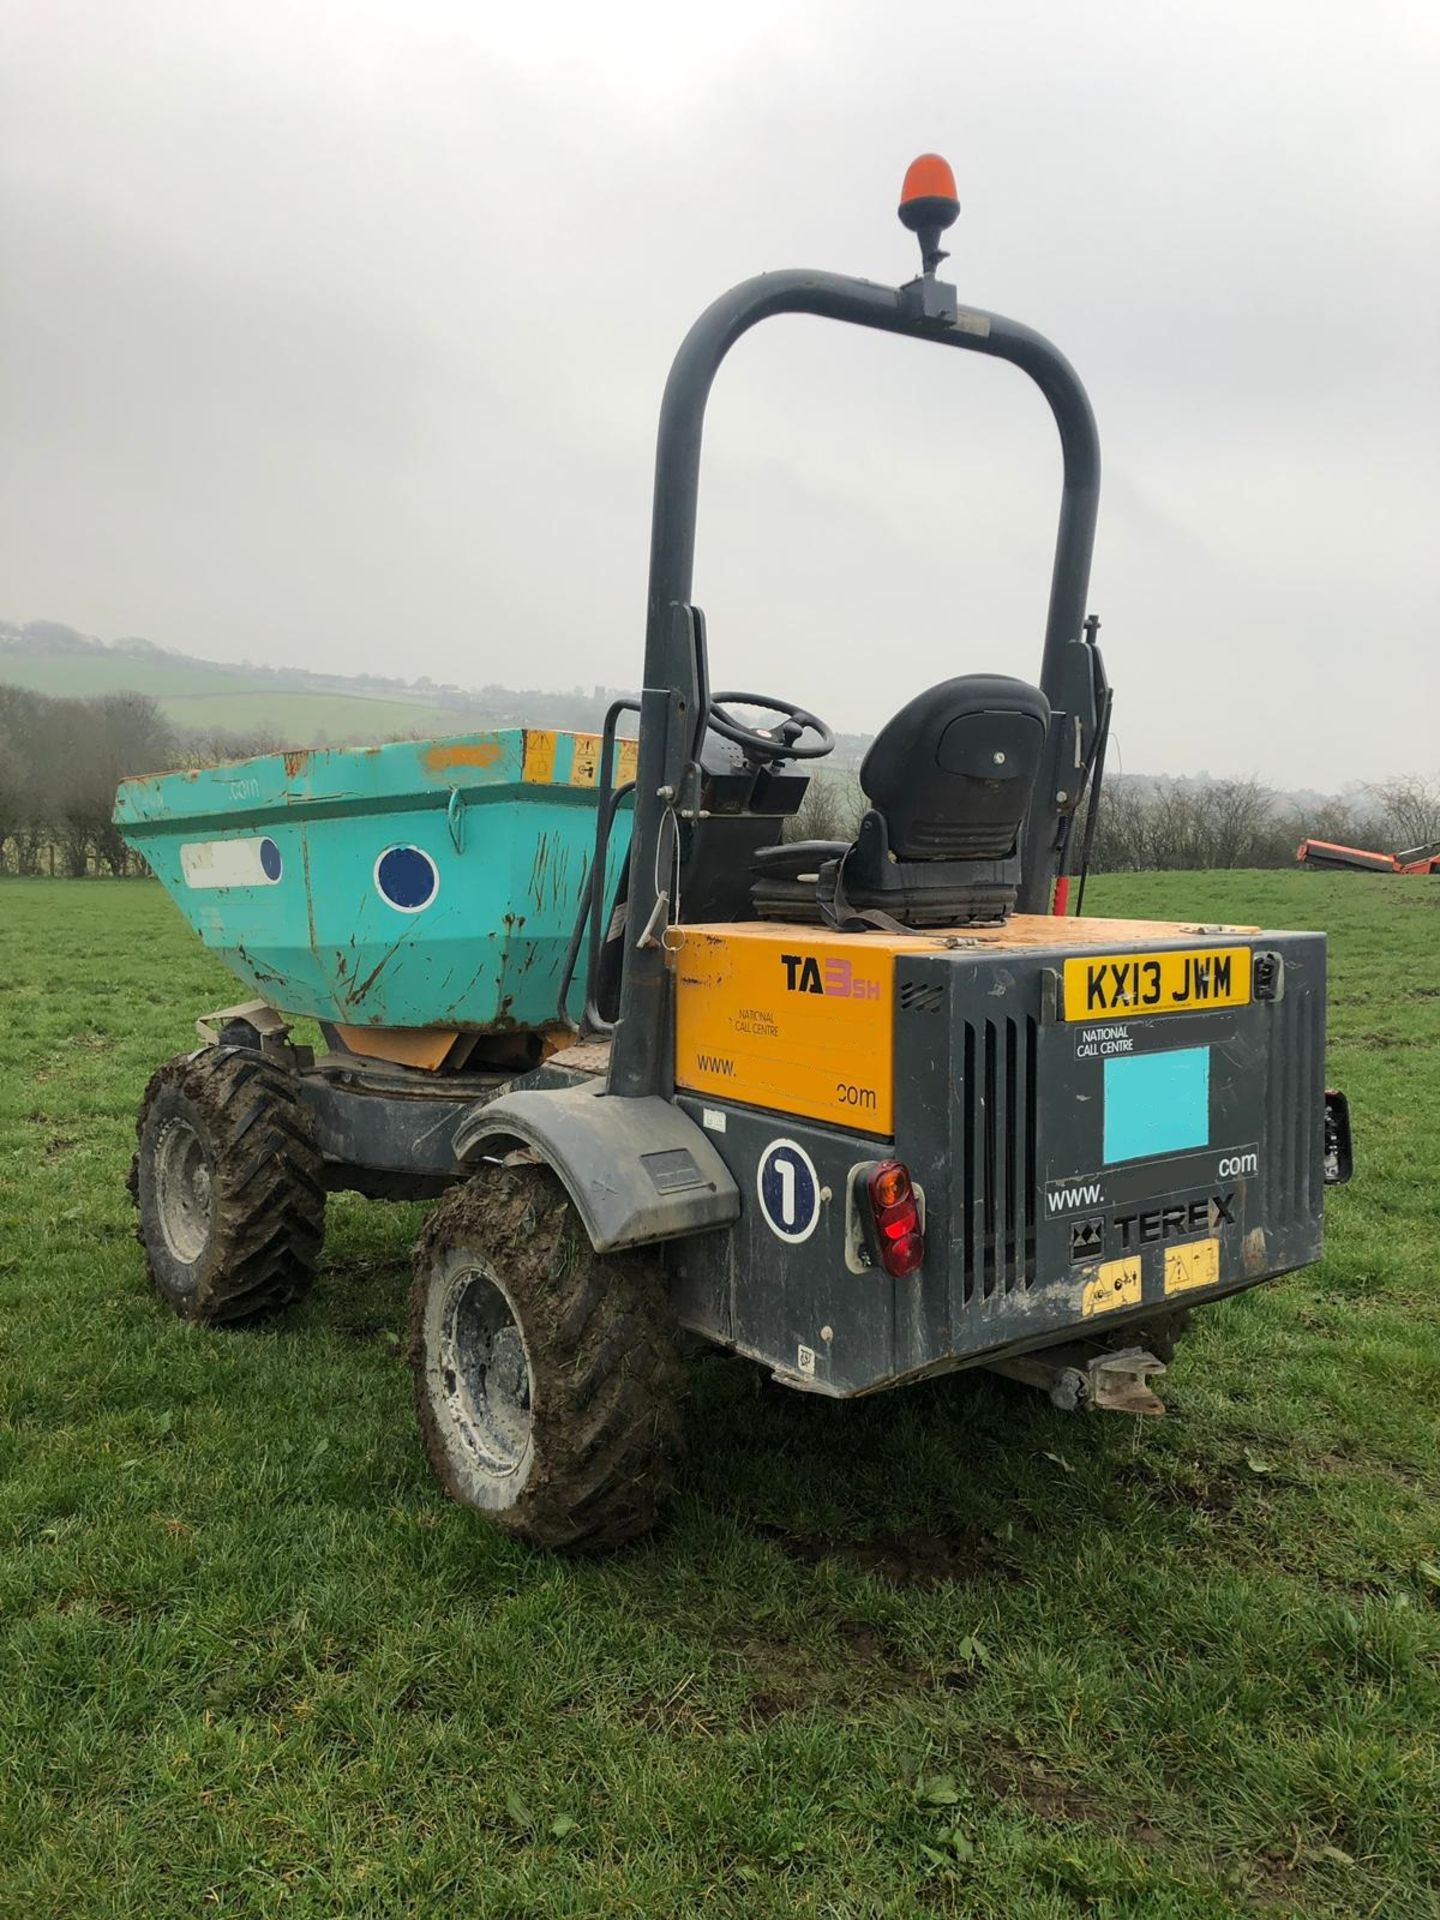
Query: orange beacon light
pixel 929 204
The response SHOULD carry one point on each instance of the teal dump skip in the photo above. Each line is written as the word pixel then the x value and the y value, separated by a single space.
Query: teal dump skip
pixel 421 884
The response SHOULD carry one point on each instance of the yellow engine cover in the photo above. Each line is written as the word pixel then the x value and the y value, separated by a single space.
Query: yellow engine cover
pixel 801 1019
pixel 798 1019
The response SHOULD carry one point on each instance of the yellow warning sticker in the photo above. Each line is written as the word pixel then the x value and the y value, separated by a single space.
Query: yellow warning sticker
pixel 585 763
pixel 1195 1264
pixel 539 766
pixel 1116 1284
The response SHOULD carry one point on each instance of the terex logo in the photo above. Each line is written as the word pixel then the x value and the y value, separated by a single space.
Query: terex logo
pixel 1173 1223
pixel 805 974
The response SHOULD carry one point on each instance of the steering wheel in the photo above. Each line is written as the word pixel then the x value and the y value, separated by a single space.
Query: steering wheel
pixel 765 743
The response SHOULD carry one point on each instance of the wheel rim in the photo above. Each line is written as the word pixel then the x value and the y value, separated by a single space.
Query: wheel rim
pixel 485 1377
pixel 183 1192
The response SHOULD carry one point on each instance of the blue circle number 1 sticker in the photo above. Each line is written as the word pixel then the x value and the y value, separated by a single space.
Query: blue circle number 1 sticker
pixel 789 1191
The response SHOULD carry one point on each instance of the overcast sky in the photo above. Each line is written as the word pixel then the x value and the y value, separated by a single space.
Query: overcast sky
pixel 332 333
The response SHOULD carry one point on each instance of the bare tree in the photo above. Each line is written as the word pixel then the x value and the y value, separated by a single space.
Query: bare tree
pixel 831 808
pixel 1410 810
pixel 60 763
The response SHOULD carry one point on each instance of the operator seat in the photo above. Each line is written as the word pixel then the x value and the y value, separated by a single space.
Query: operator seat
pixel 949 781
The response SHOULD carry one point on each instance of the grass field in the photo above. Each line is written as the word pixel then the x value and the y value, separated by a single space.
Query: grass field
pixel 946 1652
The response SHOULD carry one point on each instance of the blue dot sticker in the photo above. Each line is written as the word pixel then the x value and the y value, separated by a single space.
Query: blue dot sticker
pixel 406 878
pixel 788 1189
pixel 271 865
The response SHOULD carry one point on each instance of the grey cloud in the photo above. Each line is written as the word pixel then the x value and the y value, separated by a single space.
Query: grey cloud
pixel 336 335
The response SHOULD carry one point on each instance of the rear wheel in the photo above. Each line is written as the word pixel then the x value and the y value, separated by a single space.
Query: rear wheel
pixel 547 1376
pixel 226 1180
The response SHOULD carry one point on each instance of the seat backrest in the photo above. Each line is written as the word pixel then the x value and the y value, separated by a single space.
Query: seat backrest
pixel 953 772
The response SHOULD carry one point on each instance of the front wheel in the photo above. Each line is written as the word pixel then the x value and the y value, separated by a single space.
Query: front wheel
pixel 547 1376
pixel 227 1183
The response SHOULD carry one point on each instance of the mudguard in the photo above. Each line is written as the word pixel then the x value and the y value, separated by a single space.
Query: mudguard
pixel 638 1170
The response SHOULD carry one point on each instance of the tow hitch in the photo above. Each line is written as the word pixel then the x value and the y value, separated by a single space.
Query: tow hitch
pixel 1081 1378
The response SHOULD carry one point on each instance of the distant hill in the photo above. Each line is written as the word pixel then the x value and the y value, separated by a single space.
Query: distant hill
pixel 298 708
pixel 295 705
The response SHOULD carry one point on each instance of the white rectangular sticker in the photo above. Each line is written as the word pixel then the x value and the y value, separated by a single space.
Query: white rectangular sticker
pixel 252 862
pixel 712 1118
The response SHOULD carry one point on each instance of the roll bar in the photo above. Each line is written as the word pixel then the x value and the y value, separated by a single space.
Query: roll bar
pixel 676 686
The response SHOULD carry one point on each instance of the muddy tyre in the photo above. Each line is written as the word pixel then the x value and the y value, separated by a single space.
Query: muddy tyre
pixel 548 1378
pixel 226 1181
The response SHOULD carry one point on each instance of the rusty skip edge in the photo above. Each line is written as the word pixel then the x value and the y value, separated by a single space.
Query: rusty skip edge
pixel 503 763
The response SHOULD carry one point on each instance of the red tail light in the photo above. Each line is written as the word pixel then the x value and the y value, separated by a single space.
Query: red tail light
pixel 899 1238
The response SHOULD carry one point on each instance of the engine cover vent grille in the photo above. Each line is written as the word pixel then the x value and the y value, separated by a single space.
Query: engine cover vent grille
pixel 921 996
pixel 998 1156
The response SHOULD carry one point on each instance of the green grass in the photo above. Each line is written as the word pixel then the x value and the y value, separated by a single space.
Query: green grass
pixel 945 1652
pixel 304 717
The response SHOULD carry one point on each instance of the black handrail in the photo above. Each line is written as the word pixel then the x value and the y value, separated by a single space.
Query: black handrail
pixel 675 668
pixel 592 899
